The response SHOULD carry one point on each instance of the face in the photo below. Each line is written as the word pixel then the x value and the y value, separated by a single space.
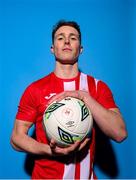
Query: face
pixel 66 47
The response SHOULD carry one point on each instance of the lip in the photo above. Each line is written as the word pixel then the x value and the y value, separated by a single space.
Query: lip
pixel 67 49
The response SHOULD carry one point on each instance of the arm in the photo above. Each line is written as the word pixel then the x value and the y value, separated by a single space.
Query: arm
pixel 109 121
pixel 20 141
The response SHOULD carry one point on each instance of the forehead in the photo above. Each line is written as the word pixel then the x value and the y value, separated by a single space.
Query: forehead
pixel 66 30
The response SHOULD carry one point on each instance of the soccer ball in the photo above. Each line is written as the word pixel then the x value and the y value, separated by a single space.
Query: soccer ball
pixel 67 121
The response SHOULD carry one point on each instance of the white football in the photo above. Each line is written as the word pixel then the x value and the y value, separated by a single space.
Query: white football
pixel 67 121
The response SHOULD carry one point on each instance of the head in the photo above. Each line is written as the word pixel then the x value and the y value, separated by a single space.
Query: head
pixel 65 23
pixel 66 41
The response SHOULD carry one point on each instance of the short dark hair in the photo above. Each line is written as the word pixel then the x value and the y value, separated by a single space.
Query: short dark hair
pixel 65 23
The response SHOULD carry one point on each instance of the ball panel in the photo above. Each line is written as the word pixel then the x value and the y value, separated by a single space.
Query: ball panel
pixel 67 115
pixel 86 120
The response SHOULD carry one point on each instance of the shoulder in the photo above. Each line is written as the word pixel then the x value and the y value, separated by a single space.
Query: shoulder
pixel 35 88
pixel 103 87
pixel 99 84
pixel 41 82
pixel 92 81
pixel 101 92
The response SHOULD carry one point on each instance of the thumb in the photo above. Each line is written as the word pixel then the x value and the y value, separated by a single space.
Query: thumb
pixel 52 144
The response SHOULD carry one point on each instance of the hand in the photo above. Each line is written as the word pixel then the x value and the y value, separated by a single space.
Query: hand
pixel 77 94
pixel 59 151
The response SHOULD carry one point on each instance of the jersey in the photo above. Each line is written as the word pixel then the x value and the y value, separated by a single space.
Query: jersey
pixel 78 165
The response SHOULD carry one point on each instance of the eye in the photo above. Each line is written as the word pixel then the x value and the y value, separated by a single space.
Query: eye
pixel 73 38
pixel 60 38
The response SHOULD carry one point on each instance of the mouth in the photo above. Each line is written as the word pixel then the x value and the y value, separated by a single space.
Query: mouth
pixel 67 49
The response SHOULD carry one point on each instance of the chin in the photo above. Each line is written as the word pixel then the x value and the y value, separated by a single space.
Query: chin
pixel 67 61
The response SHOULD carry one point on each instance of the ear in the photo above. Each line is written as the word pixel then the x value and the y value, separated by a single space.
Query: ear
pixel 81 49
pixel 52 49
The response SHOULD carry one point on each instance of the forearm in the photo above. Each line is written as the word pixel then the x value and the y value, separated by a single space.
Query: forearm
pixel 109 121
pixel 22 142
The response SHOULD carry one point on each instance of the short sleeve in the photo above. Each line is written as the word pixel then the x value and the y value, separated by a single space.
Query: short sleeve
pixel 27 109
pixel 105 96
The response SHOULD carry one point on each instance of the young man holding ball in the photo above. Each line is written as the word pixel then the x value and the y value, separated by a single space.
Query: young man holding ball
pixel 75 161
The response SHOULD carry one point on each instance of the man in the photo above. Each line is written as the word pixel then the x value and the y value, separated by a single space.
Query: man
pixel 75 161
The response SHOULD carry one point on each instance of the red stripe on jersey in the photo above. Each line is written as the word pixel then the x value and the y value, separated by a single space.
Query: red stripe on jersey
pixel 77 172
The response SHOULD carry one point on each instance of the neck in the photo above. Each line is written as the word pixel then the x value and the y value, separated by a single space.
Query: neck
pixel 66 71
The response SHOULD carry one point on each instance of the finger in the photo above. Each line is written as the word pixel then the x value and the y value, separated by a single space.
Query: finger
pixel 67 150
pixel 57 98
pixel 75 94
pixel 52 144
pixel 64 95
pixel 73 147
pixel 84 143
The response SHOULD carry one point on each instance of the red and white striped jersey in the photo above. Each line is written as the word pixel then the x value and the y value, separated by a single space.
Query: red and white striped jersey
pixel 78 165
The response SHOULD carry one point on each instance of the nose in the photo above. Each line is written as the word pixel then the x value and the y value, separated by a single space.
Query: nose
pixel 67 41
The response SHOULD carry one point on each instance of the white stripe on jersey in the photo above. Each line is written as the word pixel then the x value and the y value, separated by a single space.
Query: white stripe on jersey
pixel 69 170
pixel 69 86
pixel 83 82
pixel 85 167
pixel 85 163
pixel 96 82
pixel 92 178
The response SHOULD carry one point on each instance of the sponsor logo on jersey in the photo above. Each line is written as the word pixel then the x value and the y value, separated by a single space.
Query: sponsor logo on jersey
pixel 50 95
